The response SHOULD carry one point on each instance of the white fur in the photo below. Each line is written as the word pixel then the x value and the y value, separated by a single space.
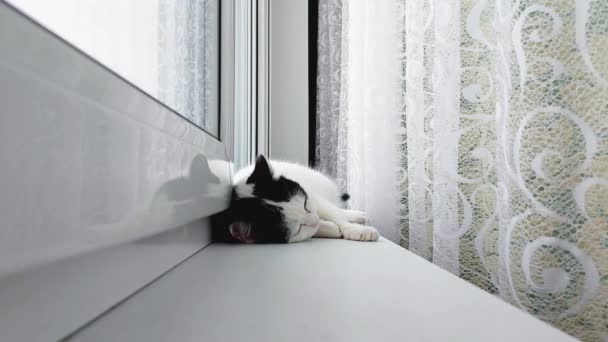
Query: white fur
pixel 312 181
pixel 244 190
pixel 325 217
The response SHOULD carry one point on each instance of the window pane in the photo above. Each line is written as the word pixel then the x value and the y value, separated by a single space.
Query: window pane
pixel 168 48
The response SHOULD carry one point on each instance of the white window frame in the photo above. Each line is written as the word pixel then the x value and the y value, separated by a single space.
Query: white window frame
pixel 245 45
pixel 87 283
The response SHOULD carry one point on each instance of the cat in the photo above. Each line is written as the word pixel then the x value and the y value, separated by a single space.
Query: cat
pixel 282 202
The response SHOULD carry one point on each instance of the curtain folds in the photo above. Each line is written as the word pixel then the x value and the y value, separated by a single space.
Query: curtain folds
pixel 188 64
pixel 475 134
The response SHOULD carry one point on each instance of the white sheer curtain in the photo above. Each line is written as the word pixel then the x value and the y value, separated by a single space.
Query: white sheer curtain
pixel 475 134
pixel 373 114
pixel 188 59
pixel 357 133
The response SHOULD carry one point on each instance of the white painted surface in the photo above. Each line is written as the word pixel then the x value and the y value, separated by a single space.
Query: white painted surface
pixel 89 161
pixel 244 72
pixel 321 290
pixel 263 73
pixel 289 80
pixel 102 186
pixel 50 302
pixel 227 90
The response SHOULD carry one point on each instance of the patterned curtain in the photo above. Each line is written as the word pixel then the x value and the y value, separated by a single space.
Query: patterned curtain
pixel 489 120
pixel 331 125
pixel 188 39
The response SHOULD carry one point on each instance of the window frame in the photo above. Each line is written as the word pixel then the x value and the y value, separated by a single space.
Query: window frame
pixel 112 270
pixel 253 97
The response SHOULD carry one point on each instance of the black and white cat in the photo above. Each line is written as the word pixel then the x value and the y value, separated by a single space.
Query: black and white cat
pixel 281 202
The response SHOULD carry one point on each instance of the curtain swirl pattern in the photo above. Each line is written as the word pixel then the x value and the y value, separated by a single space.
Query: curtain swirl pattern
pixel 475 134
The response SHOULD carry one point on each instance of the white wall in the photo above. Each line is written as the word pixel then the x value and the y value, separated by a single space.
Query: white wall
pixel 95 178
pixel 289 80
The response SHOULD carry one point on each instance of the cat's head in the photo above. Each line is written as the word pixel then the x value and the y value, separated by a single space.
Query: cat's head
pixel 269 208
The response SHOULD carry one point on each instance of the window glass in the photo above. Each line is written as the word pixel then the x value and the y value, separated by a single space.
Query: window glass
pixel 167 48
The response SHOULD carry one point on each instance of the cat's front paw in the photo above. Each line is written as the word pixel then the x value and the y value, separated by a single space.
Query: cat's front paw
pixel 355 216
pixel 357 232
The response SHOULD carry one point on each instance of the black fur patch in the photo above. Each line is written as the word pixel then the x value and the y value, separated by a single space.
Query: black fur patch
pixel 266 221
pixel 265 186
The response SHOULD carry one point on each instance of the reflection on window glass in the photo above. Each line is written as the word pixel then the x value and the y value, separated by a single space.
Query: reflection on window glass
pixel 168 48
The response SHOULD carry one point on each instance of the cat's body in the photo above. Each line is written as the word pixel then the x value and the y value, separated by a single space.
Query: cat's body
pixel 285 202
pixel 312 181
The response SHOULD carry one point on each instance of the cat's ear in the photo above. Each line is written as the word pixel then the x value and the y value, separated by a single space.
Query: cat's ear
pixel 242 231
pixel 262 171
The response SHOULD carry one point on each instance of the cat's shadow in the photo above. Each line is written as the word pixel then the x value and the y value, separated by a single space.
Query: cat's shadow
pixel 196 183
pixel 184 194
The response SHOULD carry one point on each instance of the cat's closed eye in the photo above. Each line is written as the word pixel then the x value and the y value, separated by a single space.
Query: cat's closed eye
pixel 305 203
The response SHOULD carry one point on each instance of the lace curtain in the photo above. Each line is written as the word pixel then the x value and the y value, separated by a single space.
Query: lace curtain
pixel 356 108
pixel 188 50
pixel 475 134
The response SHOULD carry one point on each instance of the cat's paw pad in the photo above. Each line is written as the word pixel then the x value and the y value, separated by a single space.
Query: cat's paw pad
pixel 355 216
pixel 357 232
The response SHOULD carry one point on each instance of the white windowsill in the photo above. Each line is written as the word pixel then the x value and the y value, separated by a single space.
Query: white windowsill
pixel 320 290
